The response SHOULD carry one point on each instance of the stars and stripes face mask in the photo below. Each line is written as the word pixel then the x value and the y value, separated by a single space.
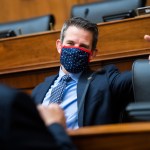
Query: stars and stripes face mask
pixel 75 59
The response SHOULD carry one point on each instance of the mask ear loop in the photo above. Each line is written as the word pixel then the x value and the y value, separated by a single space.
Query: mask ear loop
pixel 61 48
pixel 90 54
pixel 89 59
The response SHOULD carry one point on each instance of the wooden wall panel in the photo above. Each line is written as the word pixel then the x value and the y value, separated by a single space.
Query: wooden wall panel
pixel 27 60
pixel 22 9
pixel 119 38
pixel 148 3
pixel 127 136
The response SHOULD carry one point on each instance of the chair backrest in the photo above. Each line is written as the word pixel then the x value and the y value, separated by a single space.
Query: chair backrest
pixel 107 10
pixel 28 26
pixel 141 80
pixel 140 109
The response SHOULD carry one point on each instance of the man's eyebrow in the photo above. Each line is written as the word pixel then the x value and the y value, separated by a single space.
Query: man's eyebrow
pixel 70 41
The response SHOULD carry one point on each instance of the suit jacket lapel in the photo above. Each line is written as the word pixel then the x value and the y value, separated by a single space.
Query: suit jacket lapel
pixel 81 87
pixel 48 82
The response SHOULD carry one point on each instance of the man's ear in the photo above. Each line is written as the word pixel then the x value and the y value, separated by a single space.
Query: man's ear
pixel 94 53
pixel 58 46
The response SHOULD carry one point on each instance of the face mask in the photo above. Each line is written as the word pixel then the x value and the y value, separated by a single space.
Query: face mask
pixel 74 59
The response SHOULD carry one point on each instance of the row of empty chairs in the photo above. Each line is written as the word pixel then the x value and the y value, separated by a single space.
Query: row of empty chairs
pixel 27 26
pixel 107 10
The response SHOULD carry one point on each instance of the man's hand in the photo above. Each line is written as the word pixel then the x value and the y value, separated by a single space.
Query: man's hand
pixel 52 114
pixel 147 38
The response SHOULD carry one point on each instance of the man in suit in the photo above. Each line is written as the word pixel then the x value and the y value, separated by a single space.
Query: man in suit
pixel 90 98
pixel 23 126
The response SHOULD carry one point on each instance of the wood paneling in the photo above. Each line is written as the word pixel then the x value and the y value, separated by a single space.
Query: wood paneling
pixel 120 38
pixel 123 37
pixel 29 51
pixel 131 136
pixel 27 60
pixel 23 9
pixel 148 3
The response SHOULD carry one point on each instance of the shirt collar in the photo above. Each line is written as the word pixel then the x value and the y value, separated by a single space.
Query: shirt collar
pixel 74 76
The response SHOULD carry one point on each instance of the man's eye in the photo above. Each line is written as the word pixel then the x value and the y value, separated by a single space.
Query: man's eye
pixel 70 44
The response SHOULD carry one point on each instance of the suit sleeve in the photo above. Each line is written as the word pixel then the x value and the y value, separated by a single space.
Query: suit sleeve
pixel 120 85
pixel 22 127
pixel 63 141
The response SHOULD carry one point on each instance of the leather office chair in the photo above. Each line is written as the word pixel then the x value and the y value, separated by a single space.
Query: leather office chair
pixel 107 10
pixel 140 110
pixel 27 26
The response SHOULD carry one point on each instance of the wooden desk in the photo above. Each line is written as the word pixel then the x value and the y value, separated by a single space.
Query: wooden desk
pixel 27 60
pixel 131 136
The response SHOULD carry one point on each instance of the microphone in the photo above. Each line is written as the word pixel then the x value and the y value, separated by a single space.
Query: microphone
pixel 20 31
pixel 86 12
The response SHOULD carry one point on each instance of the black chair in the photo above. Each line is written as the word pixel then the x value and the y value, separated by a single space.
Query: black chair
pixel 107 10
pixel 27 26
pixel 140 109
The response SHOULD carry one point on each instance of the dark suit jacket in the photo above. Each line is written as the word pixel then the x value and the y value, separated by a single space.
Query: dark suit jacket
pixel 106 97
pixel 22 128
